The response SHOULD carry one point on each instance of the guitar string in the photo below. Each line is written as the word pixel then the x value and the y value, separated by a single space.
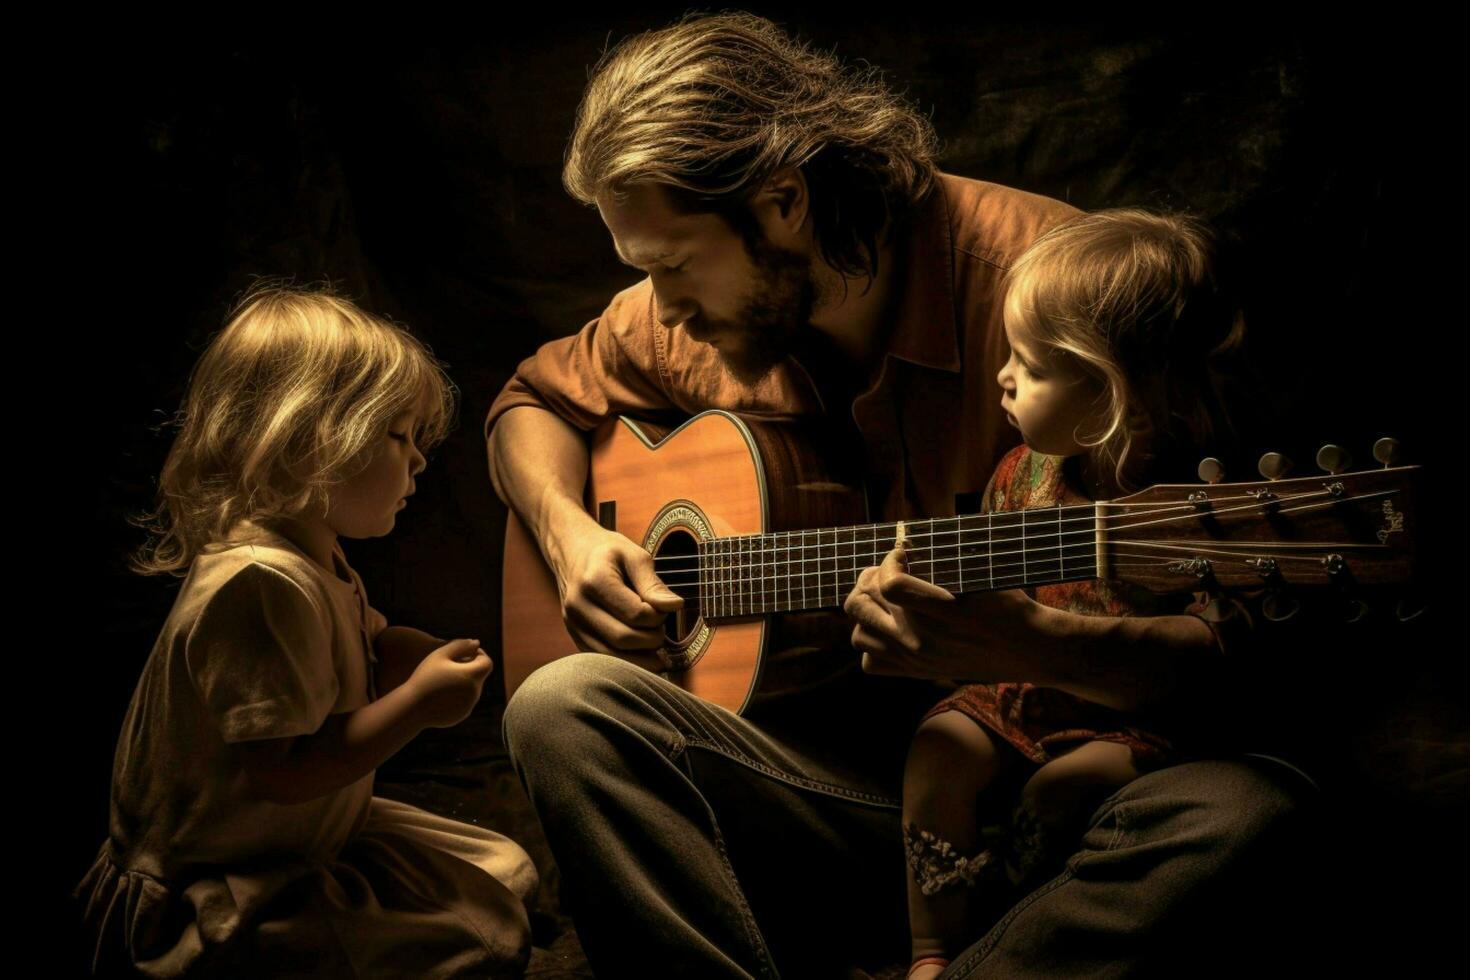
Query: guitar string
pixel 759 595
pixel 676 563
pixel 982 573
pixel 1244 553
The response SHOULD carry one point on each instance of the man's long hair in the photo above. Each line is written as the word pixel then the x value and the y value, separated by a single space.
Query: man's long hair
pixel 713 106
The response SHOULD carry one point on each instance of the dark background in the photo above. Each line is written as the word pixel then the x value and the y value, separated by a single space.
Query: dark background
pixel 424 180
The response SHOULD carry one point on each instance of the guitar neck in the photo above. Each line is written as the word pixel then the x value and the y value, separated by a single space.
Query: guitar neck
pixel 760 574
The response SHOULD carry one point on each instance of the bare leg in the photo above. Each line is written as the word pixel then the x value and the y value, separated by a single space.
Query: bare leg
pixel 1056 802
pixel 950 763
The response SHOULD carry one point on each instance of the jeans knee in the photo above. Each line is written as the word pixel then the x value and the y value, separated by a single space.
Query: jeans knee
pixel 551 710
pixel 1227 804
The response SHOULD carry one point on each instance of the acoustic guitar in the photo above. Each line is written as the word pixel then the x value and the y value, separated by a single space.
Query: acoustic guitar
pixel 744 522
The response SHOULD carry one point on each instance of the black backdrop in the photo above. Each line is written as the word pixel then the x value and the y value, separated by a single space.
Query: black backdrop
pixel 423 179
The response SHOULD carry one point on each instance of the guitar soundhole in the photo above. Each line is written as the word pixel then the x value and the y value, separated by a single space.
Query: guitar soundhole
pixel 678 552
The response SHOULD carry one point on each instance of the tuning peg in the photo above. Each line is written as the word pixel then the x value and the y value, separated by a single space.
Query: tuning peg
pixel 1273 466
pixel 1386 451
pixel 1333 459
pixel 1211 470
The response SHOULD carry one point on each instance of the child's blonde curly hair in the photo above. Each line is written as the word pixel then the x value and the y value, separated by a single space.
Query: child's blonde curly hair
pixel 281 406
pixel 1133 296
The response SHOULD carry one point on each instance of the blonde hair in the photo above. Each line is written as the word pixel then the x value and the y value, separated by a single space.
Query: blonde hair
pixel 713 106
pixel 281 406
pixel 1133 297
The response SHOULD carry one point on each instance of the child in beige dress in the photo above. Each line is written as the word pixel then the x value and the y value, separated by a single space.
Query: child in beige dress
pixel 245 839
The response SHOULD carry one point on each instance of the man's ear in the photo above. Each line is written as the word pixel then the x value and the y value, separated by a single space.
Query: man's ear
pixel 782 206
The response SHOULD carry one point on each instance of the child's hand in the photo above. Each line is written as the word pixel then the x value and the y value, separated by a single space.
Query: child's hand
pixel 446 684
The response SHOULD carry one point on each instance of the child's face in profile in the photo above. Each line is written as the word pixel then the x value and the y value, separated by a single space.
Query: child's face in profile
pixel 366 504
pixel 1046 394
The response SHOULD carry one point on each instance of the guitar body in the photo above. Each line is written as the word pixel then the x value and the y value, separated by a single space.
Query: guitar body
pixel 712 477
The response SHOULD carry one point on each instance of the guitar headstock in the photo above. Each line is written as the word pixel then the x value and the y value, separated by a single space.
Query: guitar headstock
pixel 1345 530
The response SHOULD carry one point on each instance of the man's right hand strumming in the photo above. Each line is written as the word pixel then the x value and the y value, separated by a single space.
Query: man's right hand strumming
pixel 610 597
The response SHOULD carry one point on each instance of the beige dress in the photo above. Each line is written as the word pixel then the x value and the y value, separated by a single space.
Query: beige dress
pixel 200 877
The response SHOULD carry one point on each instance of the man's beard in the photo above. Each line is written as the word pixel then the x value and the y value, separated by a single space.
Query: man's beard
pixel 766 328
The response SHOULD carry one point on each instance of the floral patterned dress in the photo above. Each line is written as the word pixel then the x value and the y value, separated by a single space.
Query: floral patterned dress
pixel 1040 721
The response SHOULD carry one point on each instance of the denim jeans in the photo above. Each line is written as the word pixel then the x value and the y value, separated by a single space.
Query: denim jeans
pixel 695 842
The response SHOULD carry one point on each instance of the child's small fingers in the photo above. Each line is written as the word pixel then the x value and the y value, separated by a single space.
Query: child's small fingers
pixel 475 660
pixel 461 650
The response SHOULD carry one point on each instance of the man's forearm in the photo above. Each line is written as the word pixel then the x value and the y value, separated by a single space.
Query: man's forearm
pixel 1127 662
pixel 538 465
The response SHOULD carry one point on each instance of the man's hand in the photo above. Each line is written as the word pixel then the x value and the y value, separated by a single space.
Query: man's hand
pixel 611 599
pixel 911 628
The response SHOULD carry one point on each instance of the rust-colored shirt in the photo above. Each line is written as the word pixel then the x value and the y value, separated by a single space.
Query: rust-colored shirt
pixel 931 423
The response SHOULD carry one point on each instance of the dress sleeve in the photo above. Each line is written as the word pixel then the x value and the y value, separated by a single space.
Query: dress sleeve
pixel 260 657
pixel 612 366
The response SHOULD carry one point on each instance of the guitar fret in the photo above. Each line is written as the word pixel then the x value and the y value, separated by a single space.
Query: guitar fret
pixel 773 596
pixel 1024 576
pixel 782 543
pixel 834 552
pixel 740 564
pixel 1061 555
pixel 776 555
pixel 871 558
pixel 989 553
pixel 849 577
pixel 806 551
pixel 766 557
pixel 1008 530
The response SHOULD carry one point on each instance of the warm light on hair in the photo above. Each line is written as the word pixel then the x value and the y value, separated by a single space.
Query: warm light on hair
pixel 713 106
pixel 281 406
pixel 1133 297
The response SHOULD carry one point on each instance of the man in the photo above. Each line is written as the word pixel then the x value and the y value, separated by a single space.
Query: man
pixel 806 259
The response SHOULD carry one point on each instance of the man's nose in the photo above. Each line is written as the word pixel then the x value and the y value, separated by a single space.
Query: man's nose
pixel 673 309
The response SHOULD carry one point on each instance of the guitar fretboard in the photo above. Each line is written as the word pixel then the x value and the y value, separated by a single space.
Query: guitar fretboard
pixel 759 574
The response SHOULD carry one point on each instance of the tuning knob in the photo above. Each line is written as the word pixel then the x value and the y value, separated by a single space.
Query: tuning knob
pixel 1211 470
pixel 1333 459
pixel 1273 466
pixel 1386 451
